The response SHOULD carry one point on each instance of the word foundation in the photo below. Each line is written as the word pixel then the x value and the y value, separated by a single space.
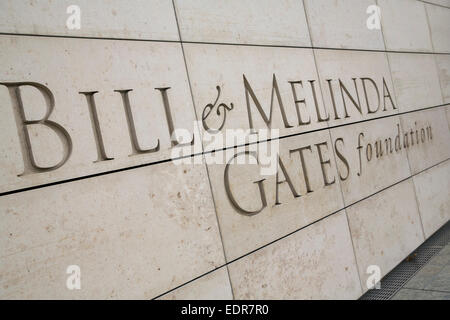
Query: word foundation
pixel 407 140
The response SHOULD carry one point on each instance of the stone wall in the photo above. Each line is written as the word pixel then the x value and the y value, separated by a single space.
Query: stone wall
pixel 93 173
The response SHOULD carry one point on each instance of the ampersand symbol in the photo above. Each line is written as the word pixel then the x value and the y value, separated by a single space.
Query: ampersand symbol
pixel 209 107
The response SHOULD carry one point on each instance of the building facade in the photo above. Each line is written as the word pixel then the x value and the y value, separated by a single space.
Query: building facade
pixel 194 149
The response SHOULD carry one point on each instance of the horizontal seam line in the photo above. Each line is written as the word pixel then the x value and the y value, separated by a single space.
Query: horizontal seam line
pixel 215 43
pixel 299 229
pixel 434 4
pixel 6 193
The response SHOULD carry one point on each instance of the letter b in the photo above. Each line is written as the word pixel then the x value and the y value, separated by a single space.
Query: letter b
pixel 30 165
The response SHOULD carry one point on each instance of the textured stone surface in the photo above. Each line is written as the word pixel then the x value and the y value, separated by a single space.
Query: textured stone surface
pixel 345 66
pixel 433 196
pixel 302 224
pixel 218 65
pixel 213 286
pixel 342 24
pixel 377 164
pixel 404 24
pixel 385 228
pixel 443 63
pixel 416 80
pixel 428 126
pixel 67 72
pixel 243 232
pixel 445 3
pixel 136 19
pixel 124 230
pixel 448 115
pixel 439 21
pixel 271 22
pixel 314 263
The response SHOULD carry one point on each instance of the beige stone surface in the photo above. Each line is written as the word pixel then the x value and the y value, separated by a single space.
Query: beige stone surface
pixel 439 21
pixel 433 196
pixel 135 19
pixel 443 64
pixel 312 200
pixel 131 235
pixel 404 25
pixel 436 147
pixel 345 66
pixel 274 22
pixel 416 80
pixel 439 2
pixel 141 226
pixel 342 24
pixel 225 66
pixel 213 286
pixel 314 263
pixel 77 65
pixel 448 115
pixel 377 164
pixel 385 228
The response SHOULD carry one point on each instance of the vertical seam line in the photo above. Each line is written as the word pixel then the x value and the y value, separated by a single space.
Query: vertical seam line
pixel 206 166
